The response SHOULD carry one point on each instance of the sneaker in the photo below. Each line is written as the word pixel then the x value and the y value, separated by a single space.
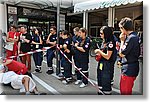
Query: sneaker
pixel 69 80
pixel 34 72
pixel 50 72
pixel 64 82
pixel 60 75
pixel 99 93
pixel 83 85
pixel 40 71
pixel 77 82
pixel 28 93
pixel 37 70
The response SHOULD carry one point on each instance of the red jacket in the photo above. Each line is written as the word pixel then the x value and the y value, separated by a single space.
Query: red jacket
pixel 17 67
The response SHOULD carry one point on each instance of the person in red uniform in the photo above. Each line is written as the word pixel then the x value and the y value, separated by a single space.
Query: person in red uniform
pixel 12 37
pixel 18 67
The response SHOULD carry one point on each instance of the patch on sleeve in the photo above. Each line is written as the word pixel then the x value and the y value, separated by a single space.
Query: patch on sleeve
pixel 110 45
pixel 86 46
pixel 67 42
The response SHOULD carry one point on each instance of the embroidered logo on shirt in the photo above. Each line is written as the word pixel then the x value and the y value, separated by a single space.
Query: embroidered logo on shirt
pixel 110 45
pixel 124 46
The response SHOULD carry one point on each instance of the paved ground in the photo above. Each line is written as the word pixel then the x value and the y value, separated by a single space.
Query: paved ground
pixel 51 85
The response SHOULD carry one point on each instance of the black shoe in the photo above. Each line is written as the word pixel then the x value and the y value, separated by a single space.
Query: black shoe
pixel 38 70
pixel 60 75
pixel 99 93
pixel 50 72
pixel 40 93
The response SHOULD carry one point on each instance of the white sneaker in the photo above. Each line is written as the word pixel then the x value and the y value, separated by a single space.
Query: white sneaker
pixel 34 72
pixel 64 82
pixel 77 82
pixel 83 85
pixel 28 93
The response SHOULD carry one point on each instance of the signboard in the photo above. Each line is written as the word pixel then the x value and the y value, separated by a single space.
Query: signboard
pixel 12 10
pixel 23 20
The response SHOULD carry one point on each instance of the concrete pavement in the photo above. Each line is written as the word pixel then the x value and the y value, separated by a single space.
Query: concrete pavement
pixel 52 86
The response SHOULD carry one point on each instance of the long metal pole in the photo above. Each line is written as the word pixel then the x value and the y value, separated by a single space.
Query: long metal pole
pixel 0 43
pixel 58 29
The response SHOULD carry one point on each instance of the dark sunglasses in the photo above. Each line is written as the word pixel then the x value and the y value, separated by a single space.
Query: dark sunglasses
pixel 101 33
pixel 121 27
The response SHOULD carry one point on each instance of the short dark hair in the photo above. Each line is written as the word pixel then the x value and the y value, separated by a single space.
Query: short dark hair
pixel 108 33
pixel 66 33
pixel 83 30
pixel 23 26
pixel 76 29
pixel 126 23
pixel 39 30
pixel 53 27
pixel 19 26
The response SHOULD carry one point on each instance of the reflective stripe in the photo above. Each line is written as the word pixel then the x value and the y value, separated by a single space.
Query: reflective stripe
pixel 107 92
pixel 50 68
pixel 62 71
pixel 85 71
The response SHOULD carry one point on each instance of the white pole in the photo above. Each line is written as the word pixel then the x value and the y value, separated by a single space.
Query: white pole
pixel 111 16
pixel 0 43
pixel 58 29
pixel 85 20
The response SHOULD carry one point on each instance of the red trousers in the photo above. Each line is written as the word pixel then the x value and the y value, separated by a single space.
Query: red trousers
pixel 27 61
pixel 126 84
pixel 12 53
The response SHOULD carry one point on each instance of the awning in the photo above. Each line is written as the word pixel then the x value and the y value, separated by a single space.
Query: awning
pixel 97 4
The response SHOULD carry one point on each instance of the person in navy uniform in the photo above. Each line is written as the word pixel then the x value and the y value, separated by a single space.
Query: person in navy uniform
pixel 129 53
pixel 114 58
pixel 51 40
pixel 61 42
pixel 37 44
pixel 83 56
pixel 67 51
pixel 106 62
pixel 75 39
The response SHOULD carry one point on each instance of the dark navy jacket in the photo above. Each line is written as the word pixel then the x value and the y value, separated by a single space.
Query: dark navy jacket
pixel 84 56
pixel 36 38
pixel 68 42
pixel 110 46
pixel 75 52
pixel 53 38
pixel 131 50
